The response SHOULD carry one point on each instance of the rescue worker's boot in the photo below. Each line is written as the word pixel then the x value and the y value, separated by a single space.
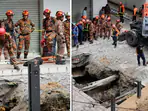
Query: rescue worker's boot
pixel 18 56
pixel 91 41
pixel 77 46
pixel 104 37
pixel 95 37
pixel 16 67
pixel 25 56
pixel 115 44
pixel 108 37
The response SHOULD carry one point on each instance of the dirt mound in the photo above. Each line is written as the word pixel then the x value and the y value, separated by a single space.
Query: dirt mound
pixel 143 105
pixel 53 97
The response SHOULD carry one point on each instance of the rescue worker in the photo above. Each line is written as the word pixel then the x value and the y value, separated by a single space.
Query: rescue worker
pixel 67 32
pixel 6 41
pixel 60 37
pixel 75 33
pixel 80 35
pixel 121 11
pixel 115 35
pixel 102 26
pixel 108 28
pixel 118 25
pixel 95 26
pixel 85 30
pixel 135 10
pixel 26 27
pixel 48 33
pixel 140 54
pixel 91 31
pixel 9 27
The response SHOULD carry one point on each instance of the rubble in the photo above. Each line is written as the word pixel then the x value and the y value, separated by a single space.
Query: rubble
pixel 106 61
pixel 14 92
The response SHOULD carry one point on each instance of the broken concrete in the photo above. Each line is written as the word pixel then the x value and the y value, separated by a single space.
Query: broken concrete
pixel 80 60
pixel 21 91
pixel 83 102
pixel 53 97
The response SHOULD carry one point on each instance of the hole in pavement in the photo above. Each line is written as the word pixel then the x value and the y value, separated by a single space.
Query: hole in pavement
pixel 109 83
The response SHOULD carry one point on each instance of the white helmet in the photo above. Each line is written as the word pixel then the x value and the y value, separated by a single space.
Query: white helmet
pixel 67 14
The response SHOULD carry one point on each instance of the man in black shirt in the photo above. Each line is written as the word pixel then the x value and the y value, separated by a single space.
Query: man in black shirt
pixel 140 54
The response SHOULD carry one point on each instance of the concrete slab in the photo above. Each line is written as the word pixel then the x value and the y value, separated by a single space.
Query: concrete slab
pixel 83 102
pixel 7 70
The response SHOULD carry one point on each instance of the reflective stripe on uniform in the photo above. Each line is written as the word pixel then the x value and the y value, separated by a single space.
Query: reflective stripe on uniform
pixel 26 50
pixel 19 50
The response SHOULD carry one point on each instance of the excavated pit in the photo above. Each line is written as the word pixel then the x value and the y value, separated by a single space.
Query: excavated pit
pixel 120 88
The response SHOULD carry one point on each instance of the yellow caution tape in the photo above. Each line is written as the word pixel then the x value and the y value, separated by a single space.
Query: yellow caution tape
pixel 38 30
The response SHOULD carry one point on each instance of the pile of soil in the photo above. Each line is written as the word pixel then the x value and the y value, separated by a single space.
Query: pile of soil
pixel 143 106
pixel 53 97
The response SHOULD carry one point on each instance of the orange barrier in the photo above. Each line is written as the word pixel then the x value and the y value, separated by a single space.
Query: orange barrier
pixel 48 57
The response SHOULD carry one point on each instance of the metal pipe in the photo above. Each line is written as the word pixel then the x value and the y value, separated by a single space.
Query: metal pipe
pixel 113 103
pixel 138 89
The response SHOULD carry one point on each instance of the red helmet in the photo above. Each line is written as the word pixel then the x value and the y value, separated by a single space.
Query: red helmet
pixel 120 3
pixel 114 26
pixel 126 31
pixel 102 16
pixel 97 17
pixel 84 17
pixel 46 11
pixel 59 14
pixel 2 31
pixel 117 20
pixel 25 13
pixel 9 13
pixel 108 19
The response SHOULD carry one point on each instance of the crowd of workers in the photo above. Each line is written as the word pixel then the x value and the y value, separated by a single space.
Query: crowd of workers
pixel 55 30
pixel 102 26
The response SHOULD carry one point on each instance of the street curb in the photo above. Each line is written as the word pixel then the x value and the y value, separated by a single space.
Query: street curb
pixel 43 71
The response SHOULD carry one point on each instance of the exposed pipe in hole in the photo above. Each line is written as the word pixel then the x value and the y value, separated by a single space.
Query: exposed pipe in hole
pixel 99 83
